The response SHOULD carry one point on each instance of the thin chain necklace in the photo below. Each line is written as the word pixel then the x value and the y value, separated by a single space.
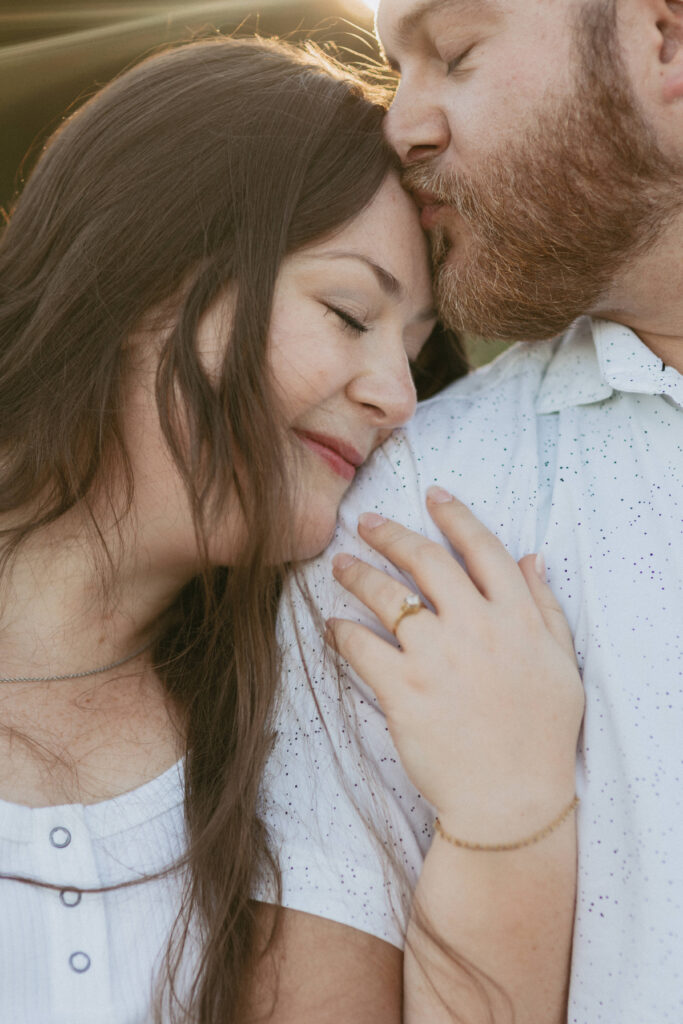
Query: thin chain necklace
pixel 78 675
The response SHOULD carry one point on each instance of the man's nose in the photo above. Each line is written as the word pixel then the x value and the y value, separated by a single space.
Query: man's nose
pixel 415 126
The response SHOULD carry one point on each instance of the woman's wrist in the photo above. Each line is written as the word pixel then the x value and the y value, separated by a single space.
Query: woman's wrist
pixel 510 819
pixel 529 839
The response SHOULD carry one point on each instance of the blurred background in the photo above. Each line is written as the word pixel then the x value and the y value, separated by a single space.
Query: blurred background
pixel 56 53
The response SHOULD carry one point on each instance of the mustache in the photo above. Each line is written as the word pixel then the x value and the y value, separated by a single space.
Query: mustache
pixel 423 177
pixel 479 199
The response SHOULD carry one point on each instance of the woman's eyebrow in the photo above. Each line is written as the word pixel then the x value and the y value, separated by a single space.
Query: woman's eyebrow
pixel 389 284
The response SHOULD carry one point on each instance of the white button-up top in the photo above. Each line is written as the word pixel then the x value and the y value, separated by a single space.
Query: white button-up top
pixel 574 448
pixel 72 957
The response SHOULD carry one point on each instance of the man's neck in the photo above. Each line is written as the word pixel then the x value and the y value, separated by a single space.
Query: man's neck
pixel 649 299
pixel 669 350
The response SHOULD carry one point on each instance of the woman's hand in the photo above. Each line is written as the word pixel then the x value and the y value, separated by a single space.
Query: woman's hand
pixel 483 699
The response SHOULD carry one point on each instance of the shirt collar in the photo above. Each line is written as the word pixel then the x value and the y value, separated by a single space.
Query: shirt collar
pixel 595 358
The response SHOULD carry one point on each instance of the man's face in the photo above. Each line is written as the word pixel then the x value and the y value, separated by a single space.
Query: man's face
pixel 540 178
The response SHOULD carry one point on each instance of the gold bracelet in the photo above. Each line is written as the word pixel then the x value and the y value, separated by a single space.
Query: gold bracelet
pixel 499 847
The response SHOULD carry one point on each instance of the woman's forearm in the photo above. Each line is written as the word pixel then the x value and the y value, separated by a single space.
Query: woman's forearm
pixel 489 940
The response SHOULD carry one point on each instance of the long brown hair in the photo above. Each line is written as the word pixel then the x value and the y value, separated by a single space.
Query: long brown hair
pixel 203 165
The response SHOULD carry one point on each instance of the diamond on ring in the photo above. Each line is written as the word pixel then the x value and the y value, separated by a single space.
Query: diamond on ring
pixel 411 604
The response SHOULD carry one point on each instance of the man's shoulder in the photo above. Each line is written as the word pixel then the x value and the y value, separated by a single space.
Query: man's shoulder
pixel 484 413
pixel 471 437
pixel 515 376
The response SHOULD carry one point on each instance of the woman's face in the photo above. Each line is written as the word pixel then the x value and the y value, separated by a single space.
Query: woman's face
pixel 349 315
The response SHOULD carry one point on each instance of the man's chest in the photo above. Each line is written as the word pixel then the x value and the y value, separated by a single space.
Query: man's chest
pixel 613 541
pixel 613 535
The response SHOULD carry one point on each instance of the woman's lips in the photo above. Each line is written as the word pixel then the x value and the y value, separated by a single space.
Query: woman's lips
pixel 339 456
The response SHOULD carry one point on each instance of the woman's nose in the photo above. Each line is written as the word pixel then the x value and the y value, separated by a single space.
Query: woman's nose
pixel 386 391
pixel 415 126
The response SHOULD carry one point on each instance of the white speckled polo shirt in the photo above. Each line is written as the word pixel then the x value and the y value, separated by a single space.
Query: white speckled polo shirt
pixel 574 447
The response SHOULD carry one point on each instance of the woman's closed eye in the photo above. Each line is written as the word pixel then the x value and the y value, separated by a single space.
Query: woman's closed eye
pixel 348 321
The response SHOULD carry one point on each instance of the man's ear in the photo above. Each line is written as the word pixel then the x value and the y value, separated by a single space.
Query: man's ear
pixel 670 28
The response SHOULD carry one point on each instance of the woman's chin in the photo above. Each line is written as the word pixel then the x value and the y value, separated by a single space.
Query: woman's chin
pixel 314 534
pixel 313 530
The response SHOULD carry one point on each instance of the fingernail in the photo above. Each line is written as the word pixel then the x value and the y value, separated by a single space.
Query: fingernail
pixel 329 632
pixel 539 566
pixel 438 496
pixel 370 520
pixel 343 561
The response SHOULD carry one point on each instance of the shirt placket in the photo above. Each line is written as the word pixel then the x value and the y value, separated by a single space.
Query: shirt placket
pixel 75 919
